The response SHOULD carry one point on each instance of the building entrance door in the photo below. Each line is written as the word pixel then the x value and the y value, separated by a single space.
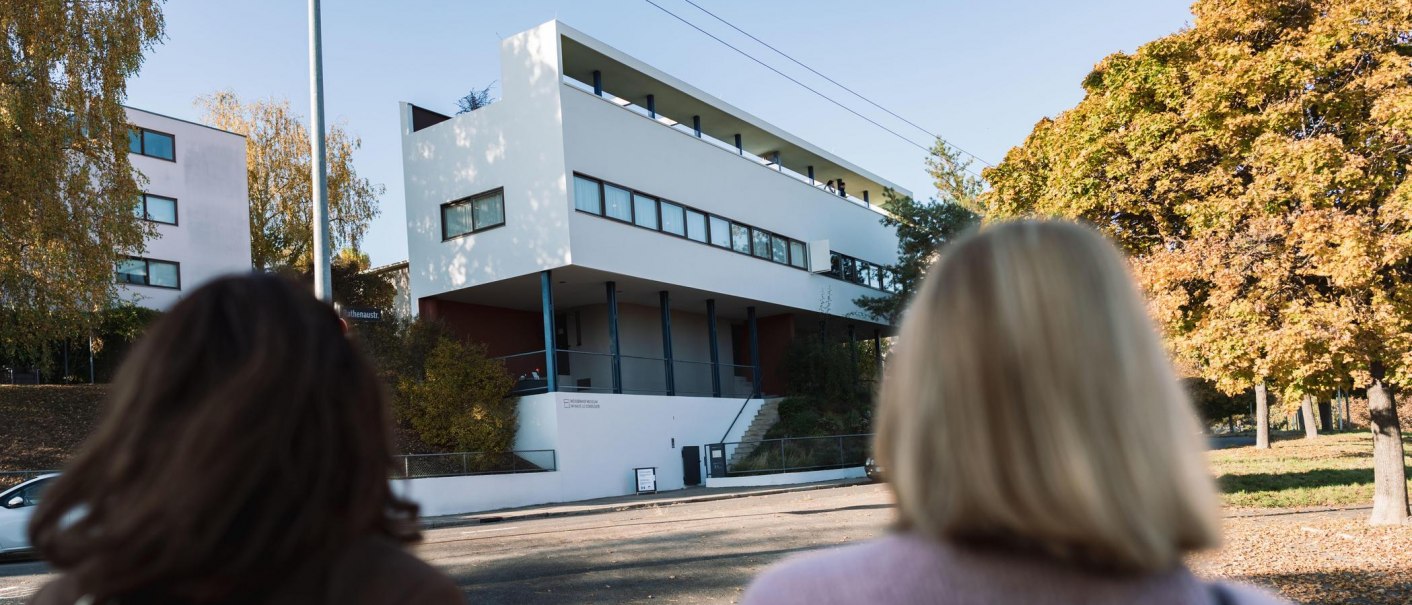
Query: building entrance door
pixel 691 464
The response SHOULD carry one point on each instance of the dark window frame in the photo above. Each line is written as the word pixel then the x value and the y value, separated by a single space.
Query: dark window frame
pixel 470 201
pixel 142 144
pixel 149 283
pixel 176 210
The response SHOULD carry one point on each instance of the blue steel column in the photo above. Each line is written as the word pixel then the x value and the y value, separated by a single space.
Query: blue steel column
pixel 754 349
pixel 715 347
pixel 598 82
pixel 613 347
pixel 666 304
pixel 546 297
pixel 652 106
pixel 696 125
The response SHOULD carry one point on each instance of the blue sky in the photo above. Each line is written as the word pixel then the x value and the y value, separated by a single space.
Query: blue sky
pixel 978 73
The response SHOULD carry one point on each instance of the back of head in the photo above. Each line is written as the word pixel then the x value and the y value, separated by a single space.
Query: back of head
pixel 243 437
pixel 1030 406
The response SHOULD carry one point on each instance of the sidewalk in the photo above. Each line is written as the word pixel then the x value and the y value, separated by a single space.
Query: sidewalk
pixel 620 503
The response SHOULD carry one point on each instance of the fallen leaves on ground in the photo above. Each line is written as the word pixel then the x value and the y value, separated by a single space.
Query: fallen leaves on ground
pixel 1318 558
pixel 44 425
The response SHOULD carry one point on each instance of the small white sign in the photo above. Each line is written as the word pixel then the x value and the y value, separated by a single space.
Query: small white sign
pixel 646 480
pixel 591 404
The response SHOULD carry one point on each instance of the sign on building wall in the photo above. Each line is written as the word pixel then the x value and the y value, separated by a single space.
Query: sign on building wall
pixel 646 480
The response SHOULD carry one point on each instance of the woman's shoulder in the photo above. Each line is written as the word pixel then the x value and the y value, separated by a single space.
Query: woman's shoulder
pixel 378 571
pixel 847 574
pixel 1236 593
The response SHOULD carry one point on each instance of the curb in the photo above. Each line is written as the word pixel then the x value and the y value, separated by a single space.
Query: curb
pixel 491 517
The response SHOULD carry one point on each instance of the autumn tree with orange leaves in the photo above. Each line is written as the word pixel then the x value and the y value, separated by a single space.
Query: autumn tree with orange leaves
pixel 1255 167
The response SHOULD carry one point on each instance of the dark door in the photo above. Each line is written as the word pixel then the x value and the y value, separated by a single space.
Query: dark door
pixel 691 464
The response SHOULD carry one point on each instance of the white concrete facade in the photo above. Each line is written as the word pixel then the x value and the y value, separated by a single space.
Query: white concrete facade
pixel 207 178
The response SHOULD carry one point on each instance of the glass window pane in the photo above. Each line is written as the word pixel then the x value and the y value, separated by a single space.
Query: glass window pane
pixel 158 145
pixel 779 250
pixel 761 241
pixel 617 202
pixel 586 195
pixel 456 220
pixel 877 277
pixel 139 209
pixel 132 271
pixel 887 280
pixel 672 219
pixel 134 141
pixel 798 254
pixel 161 209
pixel 490 210
pixel 849 273
pixel 720 232
pixel 740 238
pixel 162 274
pixel 644 211
pixel 696 225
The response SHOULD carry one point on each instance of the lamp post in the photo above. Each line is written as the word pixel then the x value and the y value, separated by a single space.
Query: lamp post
pixel 323 286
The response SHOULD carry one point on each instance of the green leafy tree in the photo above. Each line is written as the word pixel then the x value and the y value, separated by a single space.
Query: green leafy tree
pixel 1255 165
pixel 278 165
pixel 459 401
pixel 923 227
pixel 66 186
pixel 354 288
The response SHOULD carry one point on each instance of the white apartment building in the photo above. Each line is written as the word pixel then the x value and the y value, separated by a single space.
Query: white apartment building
pixel 197 197
pixel 639 252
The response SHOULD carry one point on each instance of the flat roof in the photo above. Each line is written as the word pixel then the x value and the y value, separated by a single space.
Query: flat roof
pixel 631 79
pixel 163 115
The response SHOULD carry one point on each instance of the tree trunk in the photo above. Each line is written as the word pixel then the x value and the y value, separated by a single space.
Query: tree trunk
pixel 1262 418
pixel 1306 409
pixel 1347 418
pixel 1389 473
pixel 1326 417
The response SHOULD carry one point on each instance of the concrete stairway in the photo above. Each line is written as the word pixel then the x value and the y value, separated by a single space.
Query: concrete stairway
pixel 764 420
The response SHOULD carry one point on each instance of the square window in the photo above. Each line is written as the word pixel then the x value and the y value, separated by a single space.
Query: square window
pixel 740 238
pixel 779 250
pixel 673 219
pixel 587 195
pixel 617 202
pixel 134 141
pixel 644 211
pixel 160 209
pixel 761 241
pixel 798 254
pixel 696 225
pixel 836 264
pixel 456 219
pixel 163 274
pixel 720 232
pixel 850 272
pixel 489 210
pixel 132 271
pixel 158 145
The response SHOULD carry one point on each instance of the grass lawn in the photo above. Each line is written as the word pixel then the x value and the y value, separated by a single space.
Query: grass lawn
pixel 1330 470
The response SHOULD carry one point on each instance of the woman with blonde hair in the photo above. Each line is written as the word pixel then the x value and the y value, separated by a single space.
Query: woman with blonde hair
pixel 1036 440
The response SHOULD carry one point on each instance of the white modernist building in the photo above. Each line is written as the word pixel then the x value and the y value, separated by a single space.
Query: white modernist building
pixel 197 197
pixel 639 252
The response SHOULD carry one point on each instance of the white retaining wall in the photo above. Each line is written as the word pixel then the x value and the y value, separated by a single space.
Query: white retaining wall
pixel 856 472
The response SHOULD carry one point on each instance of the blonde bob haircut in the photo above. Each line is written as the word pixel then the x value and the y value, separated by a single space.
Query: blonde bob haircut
pixel 1030 407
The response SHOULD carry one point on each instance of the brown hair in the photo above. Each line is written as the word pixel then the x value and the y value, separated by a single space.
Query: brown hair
pixel 244 437
pixel 1030 406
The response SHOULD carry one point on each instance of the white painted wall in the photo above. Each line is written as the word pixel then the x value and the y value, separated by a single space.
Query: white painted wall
pixel 515 143
pixel 856 472
pixel 208 180
pixel 452 495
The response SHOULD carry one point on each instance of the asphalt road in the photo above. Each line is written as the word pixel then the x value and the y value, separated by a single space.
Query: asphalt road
pixel 702 552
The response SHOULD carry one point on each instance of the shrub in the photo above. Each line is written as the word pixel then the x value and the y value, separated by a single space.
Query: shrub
pixel 458 400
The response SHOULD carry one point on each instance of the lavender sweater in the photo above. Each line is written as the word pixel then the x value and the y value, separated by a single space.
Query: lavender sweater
pixel 907 569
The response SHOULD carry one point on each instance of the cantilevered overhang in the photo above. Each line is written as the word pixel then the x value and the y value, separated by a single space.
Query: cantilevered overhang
pixel 633 80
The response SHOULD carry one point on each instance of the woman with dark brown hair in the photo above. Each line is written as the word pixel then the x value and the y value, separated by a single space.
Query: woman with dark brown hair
pixel 244 458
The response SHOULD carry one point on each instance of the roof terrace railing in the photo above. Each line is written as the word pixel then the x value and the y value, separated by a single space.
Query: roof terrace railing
pixel 715 142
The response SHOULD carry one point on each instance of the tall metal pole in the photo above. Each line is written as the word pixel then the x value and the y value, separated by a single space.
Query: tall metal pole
pixel 323 285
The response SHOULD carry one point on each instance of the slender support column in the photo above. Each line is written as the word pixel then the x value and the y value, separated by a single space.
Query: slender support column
pixel 865 198
pixel 775 157
pixel 613 347
pixel 551 350
pixel 715 347
pixel 853 349
pixel 754 349
pixel 598 82
pixel 665 302
pixel 811 176
pixel 740 149
pixel 877 352
pixel 652 105
pixel 323 275
pixel 696 125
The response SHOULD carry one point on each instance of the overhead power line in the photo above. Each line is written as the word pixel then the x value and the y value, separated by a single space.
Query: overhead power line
pixel 837 83
pixel 792 79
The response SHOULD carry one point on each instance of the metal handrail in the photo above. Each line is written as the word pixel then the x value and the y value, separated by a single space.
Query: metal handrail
pixel 811 454
pixel 737 416
pixel 465 458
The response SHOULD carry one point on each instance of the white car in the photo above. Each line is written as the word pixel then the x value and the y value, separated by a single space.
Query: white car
pixel 17 504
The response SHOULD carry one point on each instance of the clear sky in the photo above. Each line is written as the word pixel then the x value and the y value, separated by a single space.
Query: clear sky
pixel 979 73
